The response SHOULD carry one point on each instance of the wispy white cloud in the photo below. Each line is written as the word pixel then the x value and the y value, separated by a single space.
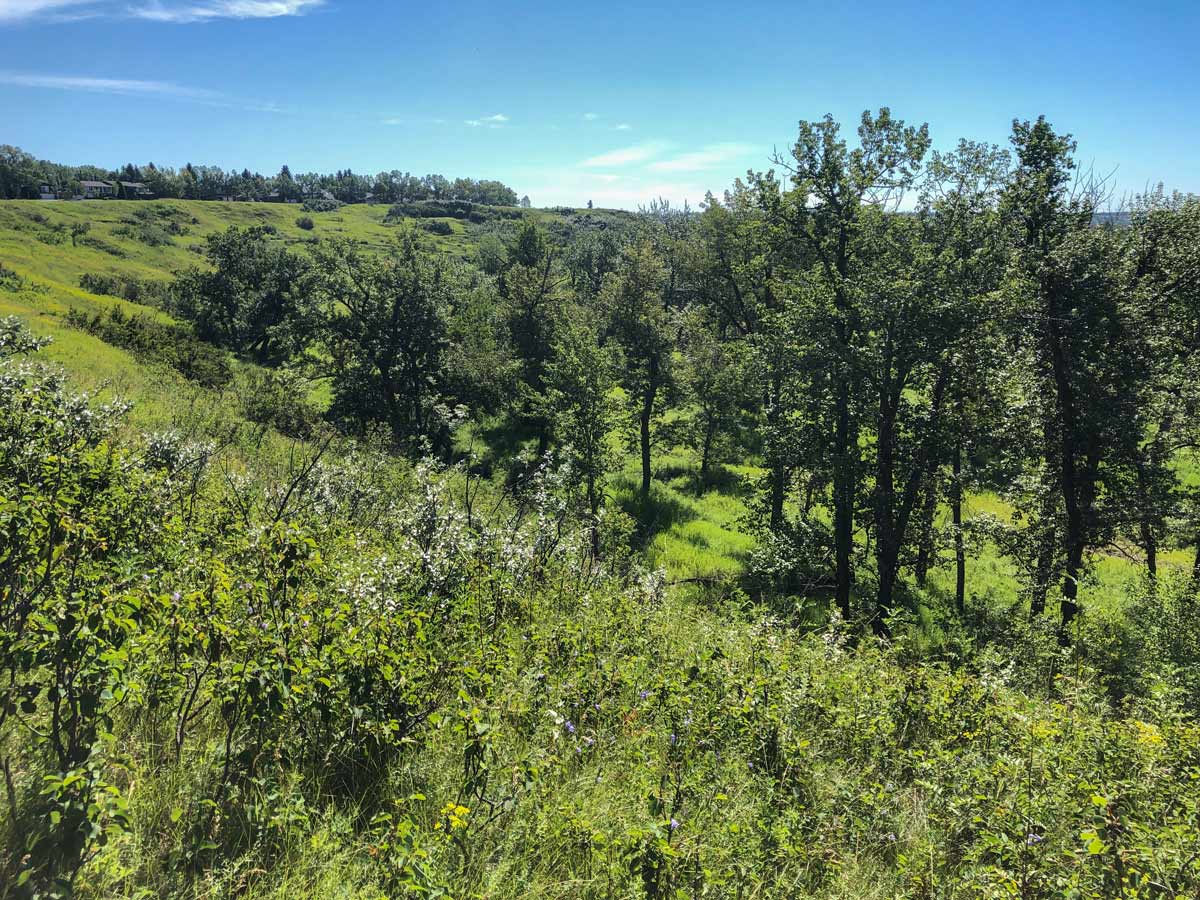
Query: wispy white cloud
pixel 12 11
pixel 707 158
pixel 591 117
pixel 626 156
pixel 20 10
pixel 623 126
pixel 410 120
pixel 183 13
pixel 496 121
pixel 107 85
pixel 131 87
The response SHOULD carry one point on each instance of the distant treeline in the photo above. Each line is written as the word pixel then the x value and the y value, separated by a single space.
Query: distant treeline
pixel 22 176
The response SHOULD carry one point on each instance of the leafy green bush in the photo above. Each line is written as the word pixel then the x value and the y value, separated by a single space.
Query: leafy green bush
pixel 321 205
pixel 305 222
pixel 128 287
pixel 449 209
pixel 438 226
pixel 172 345
pixel 278 398
pixel 148 233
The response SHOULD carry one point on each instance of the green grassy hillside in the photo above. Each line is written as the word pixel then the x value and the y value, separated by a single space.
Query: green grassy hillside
pixel 311 672
pixel 694 535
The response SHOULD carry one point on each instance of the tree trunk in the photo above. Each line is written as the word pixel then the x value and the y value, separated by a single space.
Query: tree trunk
pixel 1069 476
pixel 1146 526
pixel 928 511
pixel 960 552
pixel 593 499
pixel 843 499
pixel 1045 561
pixel 1150 546
pixel 644 422
pixel 778 472
pixel 1196 566
pixel 887 541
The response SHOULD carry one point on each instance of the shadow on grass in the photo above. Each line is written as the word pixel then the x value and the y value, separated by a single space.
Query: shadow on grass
pixel 659 512
pixel 685 477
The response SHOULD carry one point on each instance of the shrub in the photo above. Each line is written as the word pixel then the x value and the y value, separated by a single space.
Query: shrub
pixel 172 345
pixel 305 222
pixel 148 233
pixel 10 280
pixel 438 226
pixel 450 209
pixel 321 205
pixel 104 247
pixel 278 398
pixel 128 287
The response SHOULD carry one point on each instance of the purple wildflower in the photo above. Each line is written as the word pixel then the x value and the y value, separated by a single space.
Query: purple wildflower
pixel 569 726
pixel 674 824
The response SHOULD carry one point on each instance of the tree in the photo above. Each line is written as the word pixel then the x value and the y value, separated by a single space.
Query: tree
pixel 385 336
pixel 964 264
pixel 78 230
pixel 639 320
pixel 592 254
pixel 832 188
pixel 716 376
pixel 1158 281
pixel 734 277
pixel 253 301
pixel 530 287
pixel 581 378
pixel 1060 283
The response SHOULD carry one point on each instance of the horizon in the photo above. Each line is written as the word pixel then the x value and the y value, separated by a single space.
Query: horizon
pixel 618 117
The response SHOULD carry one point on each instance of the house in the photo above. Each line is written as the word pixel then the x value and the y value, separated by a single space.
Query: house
pixel 96 190
pixel 46 192
pixel 136 190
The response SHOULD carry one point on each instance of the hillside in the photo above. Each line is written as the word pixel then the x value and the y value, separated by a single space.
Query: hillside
pixel 793 547
pixel 146 243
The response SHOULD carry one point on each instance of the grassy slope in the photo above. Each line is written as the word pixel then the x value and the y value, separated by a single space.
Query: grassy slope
pixel 690 533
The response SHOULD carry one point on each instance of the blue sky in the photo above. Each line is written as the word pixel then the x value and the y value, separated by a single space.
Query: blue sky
pixel 615 102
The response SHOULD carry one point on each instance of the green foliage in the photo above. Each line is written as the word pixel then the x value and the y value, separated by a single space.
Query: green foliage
pixel 156 342
pixel 251 649
pixel 253 302
pixel 207 674
pixel 580 378
pixel 278 398
pixel 451 209
pixel 127 287
pixel 321 205
pixel 386 337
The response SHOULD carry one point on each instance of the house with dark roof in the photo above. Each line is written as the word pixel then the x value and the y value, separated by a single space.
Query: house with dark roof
pixel 96 190
pixel 135 190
